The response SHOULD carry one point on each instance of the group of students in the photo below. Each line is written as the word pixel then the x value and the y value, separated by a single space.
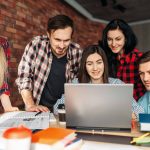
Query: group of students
pixel 51 60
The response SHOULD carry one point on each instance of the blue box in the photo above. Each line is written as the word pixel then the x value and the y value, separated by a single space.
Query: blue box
pixel 144 118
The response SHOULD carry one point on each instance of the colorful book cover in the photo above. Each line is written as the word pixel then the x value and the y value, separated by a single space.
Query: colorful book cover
pixel 53 135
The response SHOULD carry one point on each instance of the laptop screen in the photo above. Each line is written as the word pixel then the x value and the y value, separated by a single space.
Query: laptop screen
pixel 98 106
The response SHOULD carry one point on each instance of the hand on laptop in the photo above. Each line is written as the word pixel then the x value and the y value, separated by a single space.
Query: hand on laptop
pixel 134 116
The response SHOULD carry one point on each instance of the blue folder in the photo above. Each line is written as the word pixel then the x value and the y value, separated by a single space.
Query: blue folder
pixel 144 118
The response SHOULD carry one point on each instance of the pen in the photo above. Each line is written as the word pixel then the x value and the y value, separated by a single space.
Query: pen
pixel 139 138
pixel 38 113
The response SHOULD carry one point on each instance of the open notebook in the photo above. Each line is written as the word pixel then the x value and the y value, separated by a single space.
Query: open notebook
pixel 32 120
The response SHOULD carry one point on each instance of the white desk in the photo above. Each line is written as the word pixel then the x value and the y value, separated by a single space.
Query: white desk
pixel 93 145
pixel 111 137
pixel 90 145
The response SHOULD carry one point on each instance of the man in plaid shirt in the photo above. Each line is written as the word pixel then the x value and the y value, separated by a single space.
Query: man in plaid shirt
pixel 47 63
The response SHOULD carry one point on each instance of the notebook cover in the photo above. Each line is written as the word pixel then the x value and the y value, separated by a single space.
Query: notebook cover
pixel 53 135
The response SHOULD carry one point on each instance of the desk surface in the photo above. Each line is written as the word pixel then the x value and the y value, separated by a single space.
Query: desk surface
pixel 100 137
pixel 134 132
pixel 110 146
pixel 94 145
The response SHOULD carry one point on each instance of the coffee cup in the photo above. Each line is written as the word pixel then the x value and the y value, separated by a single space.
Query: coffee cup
pixel 17 138
pixel 61 114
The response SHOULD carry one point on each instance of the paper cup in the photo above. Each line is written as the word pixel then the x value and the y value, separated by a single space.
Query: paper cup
pixel 17 138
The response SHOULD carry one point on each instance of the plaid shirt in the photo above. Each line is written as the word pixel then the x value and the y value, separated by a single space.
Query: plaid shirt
pixel 35 65
pixel 128 72
pixel 4 43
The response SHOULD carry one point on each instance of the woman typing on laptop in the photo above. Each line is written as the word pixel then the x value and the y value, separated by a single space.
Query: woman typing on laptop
pixel 94 70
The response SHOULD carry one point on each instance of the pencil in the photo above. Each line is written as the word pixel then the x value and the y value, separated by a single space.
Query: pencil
pixel 139 138
pixel 38 113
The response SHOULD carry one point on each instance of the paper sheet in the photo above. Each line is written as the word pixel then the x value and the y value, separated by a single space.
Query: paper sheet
pixel 28 119
pixel 107 146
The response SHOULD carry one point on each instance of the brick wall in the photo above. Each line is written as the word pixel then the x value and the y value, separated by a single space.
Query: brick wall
pixel 20 20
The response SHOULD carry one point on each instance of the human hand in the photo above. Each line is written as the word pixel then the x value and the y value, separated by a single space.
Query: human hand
pixel 134 121
pixel 134 116
pixel 37 108
pixel 9 109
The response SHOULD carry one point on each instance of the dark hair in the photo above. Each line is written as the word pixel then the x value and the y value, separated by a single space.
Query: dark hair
pixel 144 58
pixel 130 42
pixel 59 22
pixel 130 38
pixel 83 76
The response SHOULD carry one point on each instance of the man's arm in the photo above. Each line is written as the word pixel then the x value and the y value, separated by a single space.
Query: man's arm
pixel 25 76
pixel 27 98
pixel 29 102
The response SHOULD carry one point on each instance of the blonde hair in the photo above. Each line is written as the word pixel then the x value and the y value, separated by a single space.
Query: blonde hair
pixel 3 66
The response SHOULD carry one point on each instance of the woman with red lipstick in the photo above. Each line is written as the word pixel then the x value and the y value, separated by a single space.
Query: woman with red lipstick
pixel 118 42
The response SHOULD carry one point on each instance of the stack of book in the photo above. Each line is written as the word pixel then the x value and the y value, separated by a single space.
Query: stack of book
pixel 58 138
pixel 144 120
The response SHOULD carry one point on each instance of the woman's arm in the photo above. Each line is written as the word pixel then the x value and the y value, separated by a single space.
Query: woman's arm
pixel 7 104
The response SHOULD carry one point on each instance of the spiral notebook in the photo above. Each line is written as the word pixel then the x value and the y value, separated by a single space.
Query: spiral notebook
pixel 32 120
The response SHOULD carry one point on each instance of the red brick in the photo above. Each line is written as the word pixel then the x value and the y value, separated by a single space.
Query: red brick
pixel 6 34
pixel 13 65
pixel 20 23
pixel 17 46
pixel 20 4
pixel 20 20
pixel 6 13
pixel 9 29
pixel 21 14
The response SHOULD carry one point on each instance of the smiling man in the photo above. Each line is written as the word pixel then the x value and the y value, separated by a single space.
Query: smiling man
pixel 144 71
pixel 48 62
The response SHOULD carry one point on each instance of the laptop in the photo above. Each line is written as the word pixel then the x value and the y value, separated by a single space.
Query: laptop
pixel 98 106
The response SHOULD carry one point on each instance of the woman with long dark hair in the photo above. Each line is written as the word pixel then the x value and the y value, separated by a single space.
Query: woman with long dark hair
pixel 94 70
pixel 119 42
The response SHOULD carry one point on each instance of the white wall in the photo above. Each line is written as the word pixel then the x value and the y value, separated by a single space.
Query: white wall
pixel 142 32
